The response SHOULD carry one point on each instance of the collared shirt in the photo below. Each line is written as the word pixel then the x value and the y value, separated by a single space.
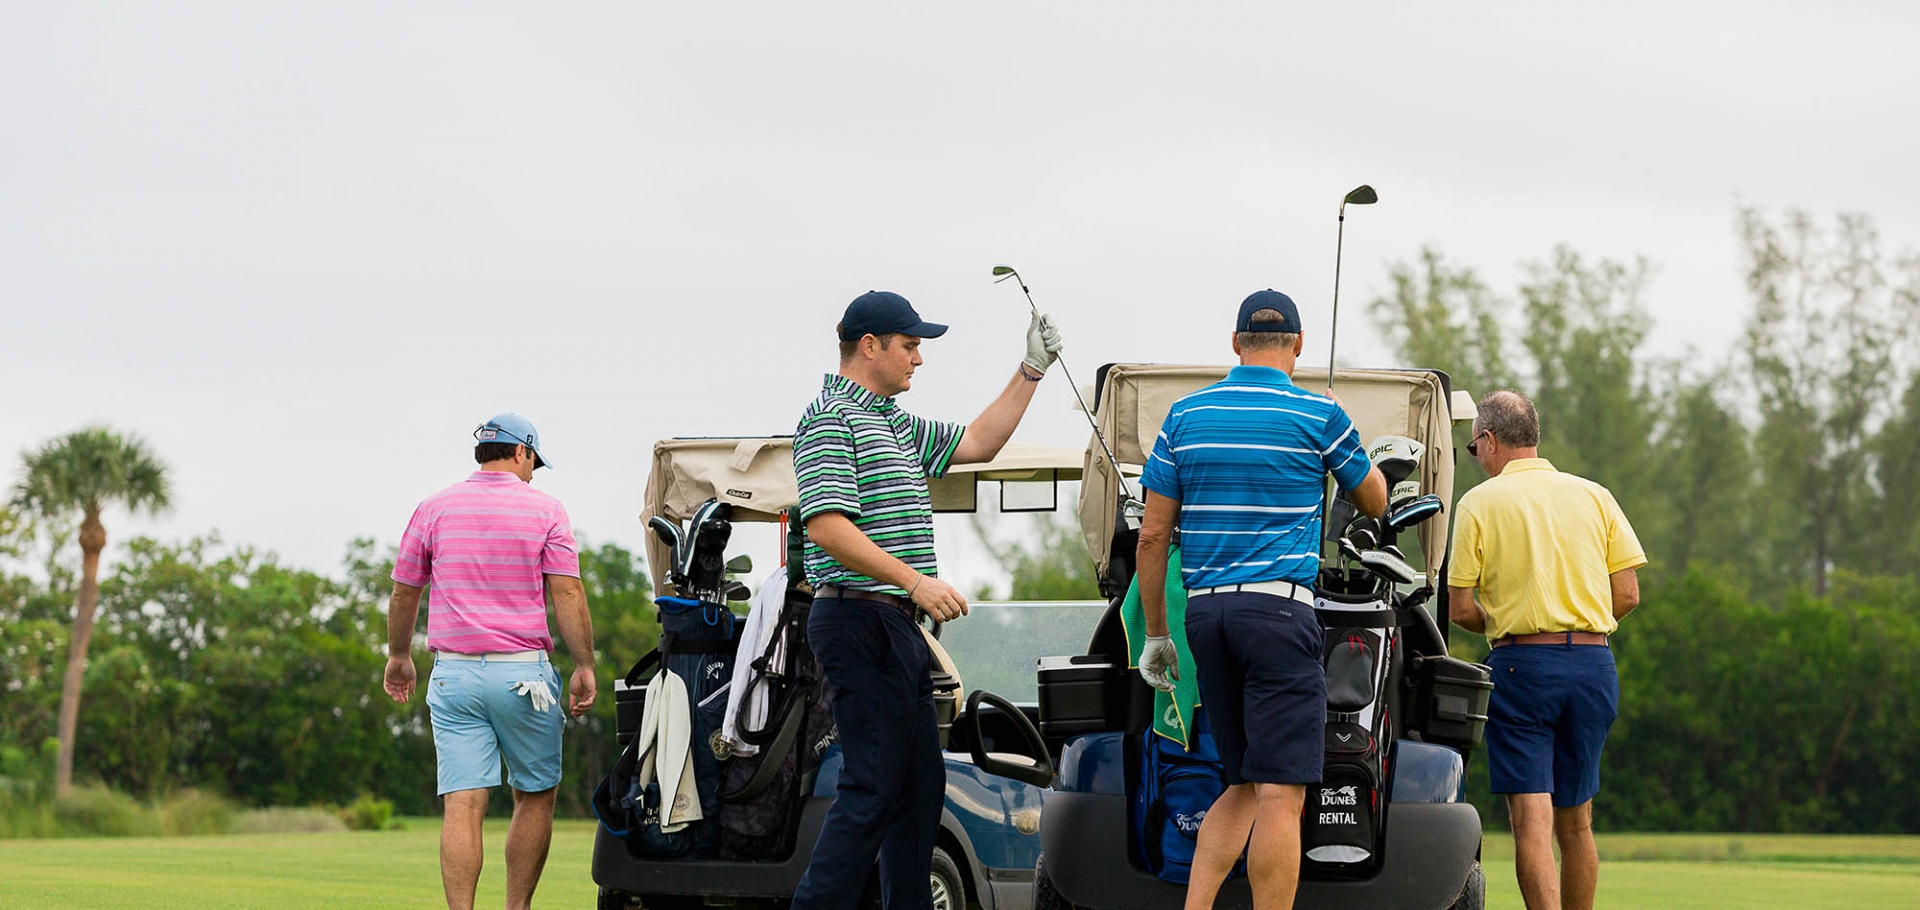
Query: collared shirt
pixel 483 548
pixel 859 454
pixel 1247 458
pixel 1540 545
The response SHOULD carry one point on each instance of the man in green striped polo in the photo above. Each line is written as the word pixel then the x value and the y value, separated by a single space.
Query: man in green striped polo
pixel 863 465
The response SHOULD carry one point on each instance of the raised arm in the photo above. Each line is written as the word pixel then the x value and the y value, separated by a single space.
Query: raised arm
pixel 989 432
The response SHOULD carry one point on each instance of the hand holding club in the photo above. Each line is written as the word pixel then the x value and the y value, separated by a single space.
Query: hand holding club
pixel 1043 343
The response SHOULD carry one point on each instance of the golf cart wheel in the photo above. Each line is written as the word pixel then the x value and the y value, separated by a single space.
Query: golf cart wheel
pixel 666 902
pixel 614 900
pixel 1045 895
pixel 949 889
pixel 1473 896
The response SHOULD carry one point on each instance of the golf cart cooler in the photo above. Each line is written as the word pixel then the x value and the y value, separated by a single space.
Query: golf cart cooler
pixel 1450 697
pixel 1081 694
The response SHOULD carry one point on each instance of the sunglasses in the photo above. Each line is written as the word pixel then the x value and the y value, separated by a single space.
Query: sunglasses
pixel 1473 445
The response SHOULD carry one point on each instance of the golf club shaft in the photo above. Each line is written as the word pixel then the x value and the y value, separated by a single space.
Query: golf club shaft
pixel 1333 341
pixel 1091 423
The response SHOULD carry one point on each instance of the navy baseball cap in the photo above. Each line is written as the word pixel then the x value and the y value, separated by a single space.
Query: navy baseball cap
pixel 512 428
pixel 1268 299
pixel 884 313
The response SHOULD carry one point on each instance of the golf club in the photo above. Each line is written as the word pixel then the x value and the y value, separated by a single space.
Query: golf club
pixel 1361 195
pixel 1003 272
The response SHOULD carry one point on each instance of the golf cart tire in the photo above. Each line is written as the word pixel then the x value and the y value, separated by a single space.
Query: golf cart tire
pixel 1045 895
pixel 947 879
pixel 1431 850
pixel 1474 895
pixel 613 900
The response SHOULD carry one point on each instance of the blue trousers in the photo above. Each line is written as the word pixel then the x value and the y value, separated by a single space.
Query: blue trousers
pixel 893 783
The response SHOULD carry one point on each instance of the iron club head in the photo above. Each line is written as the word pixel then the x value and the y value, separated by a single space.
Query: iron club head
pixel 1003 272
pixel 1362 195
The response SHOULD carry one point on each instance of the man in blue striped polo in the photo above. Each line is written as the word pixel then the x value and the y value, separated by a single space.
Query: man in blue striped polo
pixel 1240 467
pixel 862 464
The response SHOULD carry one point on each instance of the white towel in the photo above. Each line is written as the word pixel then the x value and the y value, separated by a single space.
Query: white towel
pixel 665 734
pixel 763 620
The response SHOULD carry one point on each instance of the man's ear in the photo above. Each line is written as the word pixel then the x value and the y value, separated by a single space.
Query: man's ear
pixel 1236 343
pixel 1299 343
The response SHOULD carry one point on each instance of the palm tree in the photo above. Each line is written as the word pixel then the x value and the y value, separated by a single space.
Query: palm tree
pixel 85 472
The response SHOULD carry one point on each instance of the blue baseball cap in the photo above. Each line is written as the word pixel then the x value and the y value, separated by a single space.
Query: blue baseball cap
pixel 1268 299
pixel 884 313
pixel 513 428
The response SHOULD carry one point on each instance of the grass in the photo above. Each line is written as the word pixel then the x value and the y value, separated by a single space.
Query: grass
pixel 375 869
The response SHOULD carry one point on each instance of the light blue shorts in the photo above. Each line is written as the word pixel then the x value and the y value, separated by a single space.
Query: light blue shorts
pixel 480 718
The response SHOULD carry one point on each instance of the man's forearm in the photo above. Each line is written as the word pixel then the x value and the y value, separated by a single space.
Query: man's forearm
pixel 1151 568
pixel 570 613
pixel 989 432
pixel 1465 610
pixel 836 534
pixel 403 611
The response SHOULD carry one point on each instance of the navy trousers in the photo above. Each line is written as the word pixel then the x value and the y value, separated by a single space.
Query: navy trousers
pixel 893 783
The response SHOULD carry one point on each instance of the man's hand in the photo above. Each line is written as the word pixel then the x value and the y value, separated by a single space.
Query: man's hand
pixel 1043 343
pixel 399 678
pixel 581 690
pixel 1160 662
pixel 938 599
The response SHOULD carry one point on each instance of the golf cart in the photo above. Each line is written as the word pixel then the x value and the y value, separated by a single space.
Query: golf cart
pixel 1387 827
pixel 998 768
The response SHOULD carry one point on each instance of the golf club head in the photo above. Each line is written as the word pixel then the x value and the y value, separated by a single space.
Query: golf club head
pixel 1396 456
pixel 1362 195
pixel 1408 514
pixel 667 531
pixel 1003 272
pixel 1394 551
pixel 1386 566
pixel 1350 551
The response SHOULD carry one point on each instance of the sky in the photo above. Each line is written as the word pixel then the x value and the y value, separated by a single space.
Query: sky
pixel 303 249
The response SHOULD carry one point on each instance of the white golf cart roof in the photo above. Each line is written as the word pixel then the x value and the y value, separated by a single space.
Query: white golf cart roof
pixel 755 476
pixel 1132 401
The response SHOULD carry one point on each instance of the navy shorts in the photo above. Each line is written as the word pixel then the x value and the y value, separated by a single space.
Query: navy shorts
pixel 1551 710
pixel 1262 683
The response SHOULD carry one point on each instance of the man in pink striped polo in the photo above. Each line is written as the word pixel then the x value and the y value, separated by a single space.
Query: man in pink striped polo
pixel 493 549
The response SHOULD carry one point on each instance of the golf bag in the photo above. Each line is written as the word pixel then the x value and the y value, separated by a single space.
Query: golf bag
pixel 1177 787
pixel 761 794
pixel 1345 814
pixel 696 645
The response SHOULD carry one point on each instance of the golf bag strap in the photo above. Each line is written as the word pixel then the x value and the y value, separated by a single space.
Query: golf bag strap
pixel 772 756
pixel 640 667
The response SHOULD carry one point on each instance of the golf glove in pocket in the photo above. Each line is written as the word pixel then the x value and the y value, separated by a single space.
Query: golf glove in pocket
pixel 538 692
pixel 1160 662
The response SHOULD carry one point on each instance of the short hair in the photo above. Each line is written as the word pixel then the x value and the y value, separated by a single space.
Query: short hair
pixel 1509 417
pixel 494 451
pixel 1266 341
pixel 849 348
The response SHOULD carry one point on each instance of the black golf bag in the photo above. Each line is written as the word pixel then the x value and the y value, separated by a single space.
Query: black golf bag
pixel 1344 821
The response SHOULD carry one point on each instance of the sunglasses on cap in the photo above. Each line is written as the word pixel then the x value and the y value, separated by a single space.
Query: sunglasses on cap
pixel 1473 445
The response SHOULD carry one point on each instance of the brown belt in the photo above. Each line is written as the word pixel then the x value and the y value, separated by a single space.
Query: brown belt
pixel 892 600
pixel 1553 638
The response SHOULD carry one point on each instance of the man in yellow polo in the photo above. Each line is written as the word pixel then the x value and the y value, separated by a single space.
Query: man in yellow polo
pixel 1543 564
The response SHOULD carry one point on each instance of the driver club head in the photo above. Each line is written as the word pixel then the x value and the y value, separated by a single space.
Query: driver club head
pixel 1362 195
pixel 1406 515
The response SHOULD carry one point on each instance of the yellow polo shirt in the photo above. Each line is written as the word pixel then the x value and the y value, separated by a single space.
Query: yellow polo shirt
pixel 1539 544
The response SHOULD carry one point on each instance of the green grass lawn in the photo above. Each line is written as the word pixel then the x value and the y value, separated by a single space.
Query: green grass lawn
pixel 400 869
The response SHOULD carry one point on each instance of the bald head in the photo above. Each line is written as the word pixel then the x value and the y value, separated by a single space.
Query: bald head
pixel 1510 418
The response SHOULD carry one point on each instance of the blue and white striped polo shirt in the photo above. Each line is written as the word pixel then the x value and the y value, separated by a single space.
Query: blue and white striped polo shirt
pixel 1247 457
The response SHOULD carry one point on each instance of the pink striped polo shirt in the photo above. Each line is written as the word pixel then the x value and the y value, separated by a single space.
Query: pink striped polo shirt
pixel 483 547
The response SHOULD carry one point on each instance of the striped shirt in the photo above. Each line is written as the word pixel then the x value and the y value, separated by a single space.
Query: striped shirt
pixel 484 546
pixel 861 455
pixel 1246 457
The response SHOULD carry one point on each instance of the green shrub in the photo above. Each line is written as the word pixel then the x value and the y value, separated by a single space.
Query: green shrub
pixel 95 811
pixel 286 821
pixel 369 814
pixel 25 816
pixel 194 812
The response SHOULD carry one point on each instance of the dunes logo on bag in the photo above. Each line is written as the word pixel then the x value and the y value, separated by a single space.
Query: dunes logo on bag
pixel 1342 796
pixel 1189 825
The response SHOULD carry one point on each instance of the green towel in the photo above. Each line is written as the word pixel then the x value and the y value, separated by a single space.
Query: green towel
pixel 1172 711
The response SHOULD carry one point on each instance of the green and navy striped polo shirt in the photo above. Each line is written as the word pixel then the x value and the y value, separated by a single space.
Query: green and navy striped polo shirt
pixel 858 453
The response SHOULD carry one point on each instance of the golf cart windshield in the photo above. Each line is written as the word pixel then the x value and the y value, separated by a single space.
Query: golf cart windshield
pixel 754 475
pixel 1132 401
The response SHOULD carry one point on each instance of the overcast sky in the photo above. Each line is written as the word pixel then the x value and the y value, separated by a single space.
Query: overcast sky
pixel 303 249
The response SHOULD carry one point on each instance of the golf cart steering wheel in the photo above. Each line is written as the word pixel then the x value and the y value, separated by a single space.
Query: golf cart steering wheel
pixel 927 621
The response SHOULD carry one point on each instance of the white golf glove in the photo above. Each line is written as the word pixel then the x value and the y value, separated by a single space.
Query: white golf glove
pixel 538 692
pixel 1160 662
pixel 1043 343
